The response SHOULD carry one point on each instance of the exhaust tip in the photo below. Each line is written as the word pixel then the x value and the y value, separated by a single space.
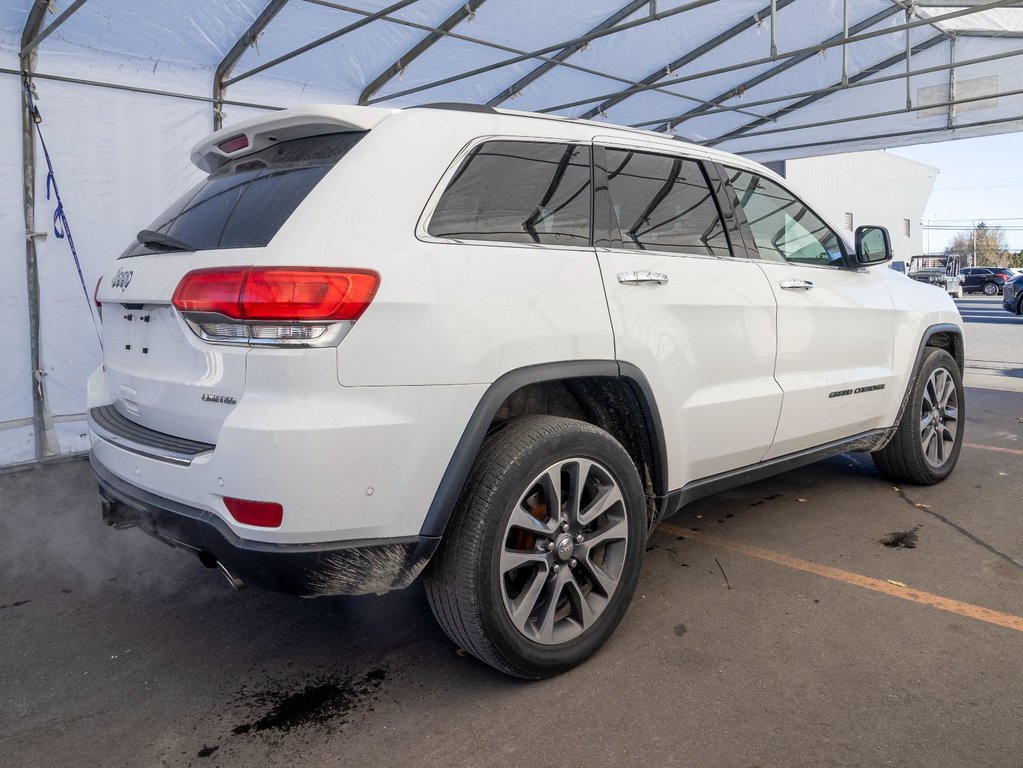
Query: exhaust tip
pixel 209 560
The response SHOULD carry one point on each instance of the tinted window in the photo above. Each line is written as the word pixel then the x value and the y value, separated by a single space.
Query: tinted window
pixel 246 201
pixel 784 228
pixel 663 203
pixel 519 192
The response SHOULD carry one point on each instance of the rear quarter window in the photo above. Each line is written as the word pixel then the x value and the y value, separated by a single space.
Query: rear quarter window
pixel 518 192
pixel 246 201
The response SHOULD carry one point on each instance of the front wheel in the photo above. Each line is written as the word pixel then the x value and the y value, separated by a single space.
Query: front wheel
pixel 990 289
pixel 927 442
pixel 544 549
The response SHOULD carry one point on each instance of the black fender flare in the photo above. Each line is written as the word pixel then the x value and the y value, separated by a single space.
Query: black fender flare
pixel 468 447
pixel 959 354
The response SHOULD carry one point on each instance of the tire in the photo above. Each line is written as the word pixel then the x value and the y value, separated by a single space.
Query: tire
pixel 926 444
pixel 509 583
pixel 959 292
pixel 990 289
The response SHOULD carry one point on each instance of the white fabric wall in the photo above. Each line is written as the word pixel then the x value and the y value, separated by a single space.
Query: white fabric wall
pixel 16 435
pixel 119 159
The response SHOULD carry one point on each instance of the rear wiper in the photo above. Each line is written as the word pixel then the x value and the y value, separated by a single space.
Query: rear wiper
pixel 154 239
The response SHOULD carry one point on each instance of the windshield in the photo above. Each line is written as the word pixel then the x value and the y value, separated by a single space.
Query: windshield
pixel 247 200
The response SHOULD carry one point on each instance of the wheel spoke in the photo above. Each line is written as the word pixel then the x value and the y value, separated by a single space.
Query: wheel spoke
pixel 551 483
pixel 948 390
pixel 580 608
pixel 617 531
pixel 522 519
pixel 607 497
pixel 928 442
pixel 604 580
pixel 517 558
pixel 579 471
pixel 523 606
pixel 925 425
pixel 550 609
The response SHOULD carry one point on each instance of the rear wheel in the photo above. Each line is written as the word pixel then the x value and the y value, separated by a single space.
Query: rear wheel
pixel 544 550
pixel 990 289
pixel 926 444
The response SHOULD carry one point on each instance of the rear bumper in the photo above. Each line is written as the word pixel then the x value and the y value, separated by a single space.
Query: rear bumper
pixel 327 568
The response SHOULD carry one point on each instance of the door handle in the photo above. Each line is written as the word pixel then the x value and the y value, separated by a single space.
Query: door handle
pixel 796 285
pixel 635 278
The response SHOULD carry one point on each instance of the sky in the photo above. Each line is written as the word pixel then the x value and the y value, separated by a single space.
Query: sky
pixel 980 180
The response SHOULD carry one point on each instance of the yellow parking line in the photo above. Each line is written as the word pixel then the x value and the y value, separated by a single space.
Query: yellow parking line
pixel 969 610
pixel 993 448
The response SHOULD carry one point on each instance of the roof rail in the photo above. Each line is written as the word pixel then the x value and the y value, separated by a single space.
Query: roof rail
pixel 457 107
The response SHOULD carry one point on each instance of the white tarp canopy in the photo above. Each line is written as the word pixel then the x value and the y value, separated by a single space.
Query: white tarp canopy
pixel 125 89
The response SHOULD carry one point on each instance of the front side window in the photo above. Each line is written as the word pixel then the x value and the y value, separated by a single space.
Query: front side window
pixel 518 192
pixel 663 203
pixel 784 228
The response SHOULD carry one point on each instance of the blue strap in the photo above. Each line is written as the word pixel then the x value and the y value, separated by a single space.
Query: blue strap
pixel 61 227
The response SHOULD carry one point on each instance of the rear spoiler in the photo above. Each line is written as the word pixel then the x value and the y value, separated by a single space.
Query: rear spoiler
pixel 258 133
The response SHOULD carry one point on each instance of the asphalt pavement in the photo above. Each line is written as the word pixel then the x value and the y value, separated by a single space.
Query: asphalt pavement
pixel 820 618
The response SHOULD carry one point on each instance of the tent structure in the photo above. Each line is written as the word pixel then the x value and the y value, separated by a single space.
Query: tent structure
pixel 123 89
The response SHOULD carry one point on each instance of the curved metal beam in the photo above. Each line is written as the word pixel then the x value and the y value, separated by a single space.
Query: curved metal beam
pixel 464 12
pixel 229 61
pixel 834 89
pixel 366 19
pixel 42 34
pixel 838 40
pixel 863 74
pixel 688 58
pixel 540 53
pixel 547 66
pixel 784 66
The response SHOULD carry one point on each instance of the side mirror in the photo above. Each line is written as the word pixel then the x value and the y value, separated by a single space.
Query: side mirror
pixel 873 245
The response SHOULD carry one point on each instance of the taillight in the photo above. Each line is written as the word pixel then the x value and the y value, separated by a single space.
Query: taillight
pixel 286 305
pixel 265 514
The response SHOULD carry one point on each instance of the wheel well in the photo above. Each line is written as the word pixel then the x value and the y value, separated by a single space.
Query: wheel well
pixel 614 404
pixel 951 343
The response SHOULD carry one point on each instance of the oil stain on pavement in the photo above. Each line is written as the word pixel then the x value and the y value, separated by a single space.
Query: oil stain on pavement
pixel 902 539
pixel 322 705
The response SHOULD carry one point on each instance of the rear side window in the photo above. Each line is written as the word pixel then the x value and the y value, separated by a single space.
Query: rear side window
pixel 518 192
pixel 663 203
pixel 247 200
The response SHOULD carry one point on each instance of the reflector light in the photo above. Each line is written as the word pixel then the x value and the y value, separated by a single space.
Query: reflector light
pixel 278 293
pixel 265 514
pixel 227 146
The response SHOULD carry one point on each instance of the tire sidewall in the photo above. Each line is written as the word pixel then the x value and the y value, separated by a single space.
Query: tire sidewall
pixel 542 660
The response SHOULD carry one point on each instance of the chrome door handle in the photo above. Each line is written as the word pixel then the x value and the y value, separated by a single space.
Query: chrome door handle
pixel 635 278
pixel 796 285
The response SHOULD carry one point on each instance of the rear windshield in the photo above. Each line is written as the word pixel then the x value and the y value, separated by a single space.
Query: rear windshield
pixel 246 201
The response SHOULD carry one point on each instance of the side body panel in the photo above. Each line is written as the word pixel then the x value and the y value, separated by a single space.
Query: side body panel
pixel 706 340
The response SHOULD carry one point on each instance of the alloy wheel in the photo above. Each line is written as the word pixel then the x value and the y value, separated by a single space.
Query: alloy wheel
pixel 563 551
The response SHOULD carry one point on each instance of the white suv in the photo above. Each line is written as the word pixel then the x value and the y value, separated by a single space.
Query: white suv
pixel 497 348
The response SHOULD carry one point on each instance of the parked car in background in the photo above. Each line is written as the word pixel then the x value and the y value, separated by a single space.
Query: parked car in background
pixel 988 280
pixel 1012 295
pixel 940 270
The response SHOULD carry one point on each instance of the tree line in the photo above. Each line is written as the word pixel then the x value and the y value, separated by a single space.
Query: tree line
pixel 989 246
